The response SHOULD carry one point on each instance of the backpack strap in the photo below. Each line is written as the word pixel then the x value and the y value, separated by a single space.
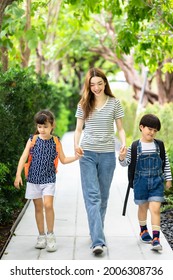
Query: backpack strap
pixel 131 172
pixel 132 165
pixel 33 141
pixel 162 152
pixel 27 164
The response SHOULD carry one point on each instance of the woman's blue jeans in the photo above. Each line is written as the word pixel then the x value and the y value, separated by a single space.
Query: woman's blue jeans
pixel 97 170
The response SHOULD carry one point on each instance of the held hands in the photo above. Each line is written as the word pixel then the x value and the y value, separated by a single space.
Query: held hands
pixel 122 153
pixel 18 181
pixel 79 152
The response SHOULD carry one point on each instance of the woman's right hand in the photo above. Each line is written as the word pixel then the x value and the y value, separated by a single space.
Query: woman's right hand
pixel 122 153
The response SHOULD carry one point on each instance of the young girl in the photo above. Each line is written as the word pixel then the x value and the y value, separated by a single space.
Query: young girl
pixel 42 176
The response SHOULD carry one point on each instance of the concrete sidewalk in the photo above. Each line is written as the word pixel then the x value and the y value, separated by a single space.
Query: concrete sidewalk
pixel 71 228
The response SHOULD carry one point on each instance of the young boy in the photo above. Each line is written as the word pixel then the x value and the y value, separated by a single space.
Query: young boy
pixel 148 183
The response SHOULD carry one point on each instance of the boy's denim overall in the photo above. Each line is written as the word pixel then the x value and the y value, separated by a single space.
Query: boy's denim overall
pixel 97 170
pixel 148 180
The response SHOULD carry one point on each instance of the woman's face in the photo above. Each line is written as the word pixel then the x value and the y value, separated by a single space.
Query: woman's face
pixel 97 86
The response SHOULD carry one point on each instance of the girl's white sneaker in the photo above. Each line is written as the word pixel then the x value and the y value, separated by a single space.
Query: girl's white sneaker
pixel 51 242
pixel 41 242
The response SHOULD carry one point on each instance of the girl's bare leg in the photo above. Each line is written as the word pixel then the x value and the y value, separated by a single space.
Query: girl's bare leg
pixel 49 212
pixel 39 216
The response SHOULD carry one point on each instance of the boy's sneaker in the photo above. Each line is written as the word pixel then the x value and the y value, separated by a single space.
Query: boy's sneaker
pixel 41 242
pixel 145 237
pixel 51 243
pixel 156 246
pixel 97 250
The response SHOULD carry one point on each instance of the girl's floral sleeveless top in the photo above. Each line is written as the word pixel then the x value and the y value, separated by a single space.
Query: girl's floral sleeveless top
pixel 42 169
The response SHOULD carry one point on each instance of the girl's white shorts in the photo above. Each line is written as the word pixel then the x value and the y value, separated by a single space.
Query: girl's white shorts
pixel 34 191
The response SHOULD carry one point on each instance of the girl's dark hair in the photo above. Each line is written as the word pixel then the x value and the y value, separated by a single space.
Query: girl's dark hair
pixel 44 116
pixel 150 120
pixel 88 100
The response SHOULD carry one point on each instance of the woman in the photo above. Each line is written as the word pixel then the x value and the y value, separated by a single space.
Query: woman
pixel 96 112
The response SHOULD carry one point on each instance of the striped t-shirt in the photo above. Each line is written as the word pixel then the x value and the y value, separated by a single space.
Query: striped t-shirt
pixel 99 134
pixel 148 148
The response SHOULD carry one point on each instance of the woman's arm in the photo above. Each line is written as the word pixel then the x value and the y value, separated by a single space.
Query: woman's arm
pixel 121 131
pixel 77 133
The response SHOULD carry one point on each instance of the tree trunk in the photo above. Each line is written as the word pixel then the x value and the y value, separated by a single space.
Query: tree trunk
pixel 3 5
pixel 3 50
pixel 4 58
pixel 44 64
pixel 160 86
pixel 164 84
pixel 39 58
pixel 25 50
pixel 169 86
pixel 168 82
pixel 50 36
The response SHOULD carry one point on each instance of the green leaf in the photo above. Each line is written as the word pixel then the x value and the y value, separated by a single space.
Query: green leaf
pixel 168 67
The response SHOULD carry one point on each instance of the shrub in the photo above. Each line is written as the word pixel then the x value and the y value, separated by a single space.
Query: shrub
pixel 10 198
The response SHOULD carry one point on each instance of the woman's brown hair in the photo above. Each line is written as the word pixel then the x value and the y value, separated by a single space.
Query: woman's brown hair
pixel 87 101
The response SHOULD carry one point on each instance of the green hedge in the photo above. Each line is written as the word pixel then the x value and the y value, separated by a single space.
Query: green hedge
pixel 11 199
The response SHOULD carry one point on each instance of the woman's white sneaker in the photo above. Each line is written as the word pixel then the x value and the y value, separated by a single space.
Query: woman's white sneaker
pixel 51 242
pixel 97 250
pixel 41 242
